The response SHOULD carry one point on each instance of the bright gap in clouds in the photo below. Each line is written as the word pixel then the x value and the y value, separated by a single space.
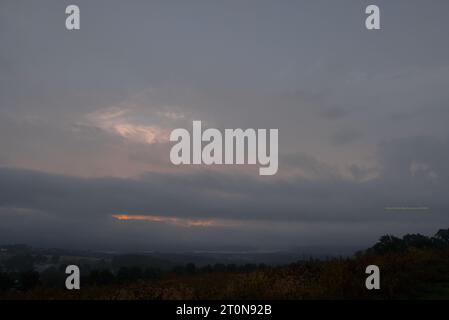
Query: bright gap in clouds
pixel 183 222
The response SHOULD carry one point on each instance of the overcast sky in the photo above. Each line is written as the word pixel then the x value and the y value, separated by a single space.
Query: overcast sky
pixel 85 115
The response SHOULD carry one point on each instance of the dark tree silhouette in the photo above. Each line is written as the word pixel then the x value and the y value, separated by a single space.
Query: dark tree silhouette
pixel 443 236
pixel 6 281
pixel 29 280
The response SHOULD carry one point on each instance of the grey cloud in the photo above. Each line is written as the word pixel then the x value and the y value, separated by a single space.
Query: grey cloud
pixel 334 113
pixel 345 136
pixel 309 69
pixel 209 194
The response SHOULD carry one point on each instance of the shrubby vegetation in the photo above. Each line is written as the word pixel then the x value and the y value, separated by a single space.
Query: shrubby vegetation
pixel 414 266
pixel 391 244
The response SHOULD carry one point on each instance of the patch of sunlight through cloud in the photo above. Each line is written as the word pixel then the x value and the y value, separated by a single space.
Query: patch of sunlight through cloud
pixel 182 222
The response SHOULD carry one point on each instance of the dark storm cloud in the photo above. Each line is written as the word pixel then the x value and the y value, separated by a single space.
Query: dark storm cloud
pixel 42 207
pixel 411 174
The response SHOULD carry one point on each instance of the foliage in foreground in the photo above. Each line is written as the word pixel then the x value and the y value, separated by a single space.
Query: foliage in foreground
pixel 411 267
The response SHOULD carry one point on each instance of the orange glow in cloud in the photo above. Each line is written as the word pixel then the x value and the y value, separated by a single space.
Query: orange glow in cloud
pixel 115 120
pixel 184 222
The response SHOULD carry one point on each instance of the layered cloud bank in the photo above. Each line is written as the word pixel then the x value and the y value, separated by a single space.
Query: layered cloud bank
pixel 240 205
